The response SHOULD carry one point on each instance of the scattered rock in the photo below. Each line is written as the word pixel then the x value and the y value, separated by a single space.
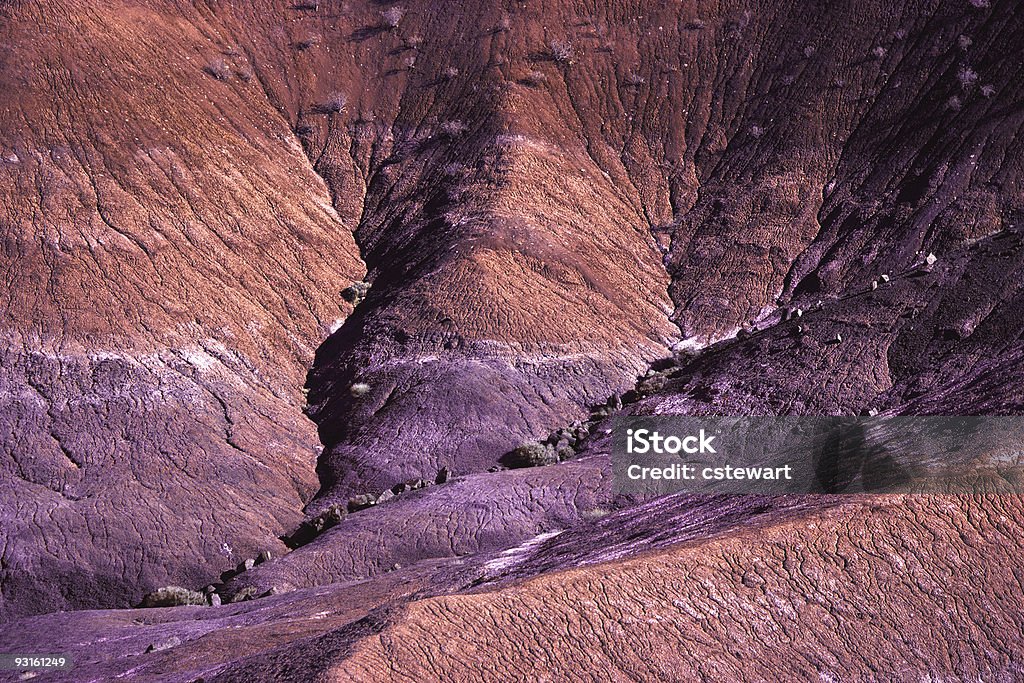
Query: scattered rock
pixel 885 278
pixel 927 264
pixel 263 556
pixel 359 389
pixel 248 564
pixel 385 497
pixel 164 644
pixel 443 475
pixel 214 600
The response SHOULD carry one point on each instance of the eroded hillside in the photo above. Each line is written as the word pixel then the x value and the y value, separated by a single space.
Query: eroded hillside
pixel 543 199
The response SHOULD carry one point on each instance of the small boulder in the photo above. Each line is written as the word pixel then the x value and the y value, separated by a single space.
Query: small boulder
pixel 333 515
pixel 532 454
pixel 361 502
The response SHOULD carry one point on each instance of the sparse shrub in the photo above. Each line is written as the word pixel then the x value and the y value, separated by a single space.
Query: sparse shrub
pixel 535 79
pixel 392 17
pixel 219 69
pixel 979 4
pixel 954 103
pixel 246 593
pixel 173 596
pixel 634 79
pixel 967 77
pixel 810 51
pixel 453 170
pixel 449 73
pixel 453 128
pixel 695 24
pixel 303 129
pixel 504 24
pixel 560 51
pixel 532 454
pixel 756 131
pixel 335 103
pixel 879 52
pixel 964 41
pixel 245 73
pixel 307 4
pixel 988 90
pixel 359 389
pixel 307 42
pixel 355 292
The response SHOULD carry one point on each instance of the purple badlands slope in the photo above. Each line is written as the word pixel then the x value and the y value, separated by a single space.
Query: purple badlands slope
pixel 267 263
